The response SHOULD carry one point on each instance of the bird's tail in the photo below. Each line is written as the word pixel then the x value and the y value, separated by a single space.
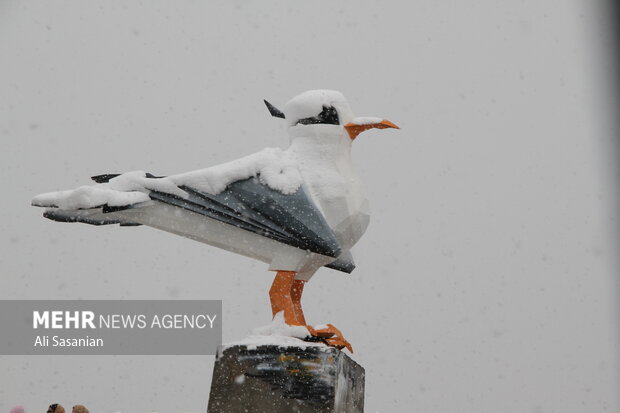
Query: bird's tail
pixel 92 204
pixel 93 216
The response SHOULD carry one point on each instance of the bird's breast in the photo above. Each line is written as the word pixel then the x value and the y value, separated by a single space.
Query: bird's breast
pixel 323 156
pixel 340 195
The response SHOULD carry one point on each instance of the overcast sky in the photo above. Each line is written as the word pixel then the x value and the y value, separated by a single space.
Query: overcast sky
pixel 486 281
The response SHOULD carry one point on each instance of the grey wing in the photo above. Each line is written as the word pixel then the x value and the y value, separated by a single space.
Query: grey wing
pixel 291 219
pixel 343 263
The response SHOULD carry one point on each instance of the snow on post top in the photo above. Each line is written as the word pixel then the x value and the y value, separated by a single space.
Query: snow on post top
pixel 278 333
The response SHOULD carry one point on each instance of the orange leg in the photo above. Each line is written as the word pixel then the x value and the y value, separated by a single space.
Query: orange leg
pixel 281 295
pixel 296 291
pixel 285 295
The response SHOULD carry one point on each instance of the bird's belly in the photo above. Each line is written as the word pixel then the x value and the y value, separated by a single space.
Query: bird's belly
pixel 209 231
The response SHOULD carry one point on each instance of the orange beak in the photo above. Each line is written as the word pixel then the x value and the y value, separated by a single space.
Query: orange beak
pixel 355 129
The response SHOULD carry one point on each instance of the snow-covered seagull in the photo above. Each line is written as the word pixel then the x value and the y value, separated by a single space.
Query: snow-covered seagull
pixel 297 209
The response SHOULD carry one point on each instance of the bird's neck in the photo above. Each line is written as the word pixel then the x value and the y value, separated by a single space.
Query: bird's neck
pixel 321 143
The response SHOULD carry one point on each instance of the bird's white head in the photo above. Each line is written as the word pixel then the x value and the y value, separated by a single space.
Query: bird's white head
pixel 328 108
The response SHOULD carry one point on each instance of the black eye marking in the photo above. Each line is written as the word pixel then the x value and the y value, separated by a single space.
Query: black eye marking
pixel 328 116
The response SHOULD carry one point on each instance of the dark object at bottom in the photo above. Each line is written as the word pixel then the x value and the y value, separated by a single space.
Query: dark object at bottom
pixel 273 379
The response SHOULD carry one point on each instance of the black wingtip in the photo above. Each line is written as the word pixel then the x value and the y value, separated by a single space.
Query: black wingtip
pixel 101 179
pixel 105 178
pixel 275 112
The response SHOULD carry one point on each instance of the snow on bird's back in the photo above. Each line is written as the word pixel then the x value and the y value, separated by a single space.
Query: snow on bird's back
pixel 273 166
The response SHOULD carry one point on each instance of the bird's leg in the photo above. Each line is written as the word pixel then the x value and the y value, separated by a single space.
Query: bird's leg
pixel 285 295
pixel 296 291
pixel 281 295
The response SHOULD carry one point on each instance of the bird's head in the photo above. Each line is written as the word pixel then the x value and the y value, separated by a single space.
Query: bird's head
pixel 326 107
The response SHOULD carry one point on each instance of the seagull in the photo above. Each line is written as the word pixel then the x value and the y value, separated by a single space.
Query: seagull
pixel 297 209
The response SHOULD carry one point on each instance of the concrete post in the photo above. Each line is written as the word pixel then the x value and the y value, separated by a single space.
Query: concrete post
pixel 274 379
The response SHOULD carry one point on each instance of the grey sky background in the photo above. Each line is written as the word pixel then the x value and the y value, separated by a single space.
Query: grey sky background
pixel 486 281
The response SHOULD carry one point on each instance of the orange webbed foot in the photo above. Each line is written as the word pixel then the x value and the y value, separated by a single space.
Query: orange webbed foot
pixel 331 336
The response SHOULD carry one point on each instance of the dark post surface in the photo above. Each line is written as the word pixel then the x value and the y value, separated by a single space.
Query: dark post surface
pixel 273 379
